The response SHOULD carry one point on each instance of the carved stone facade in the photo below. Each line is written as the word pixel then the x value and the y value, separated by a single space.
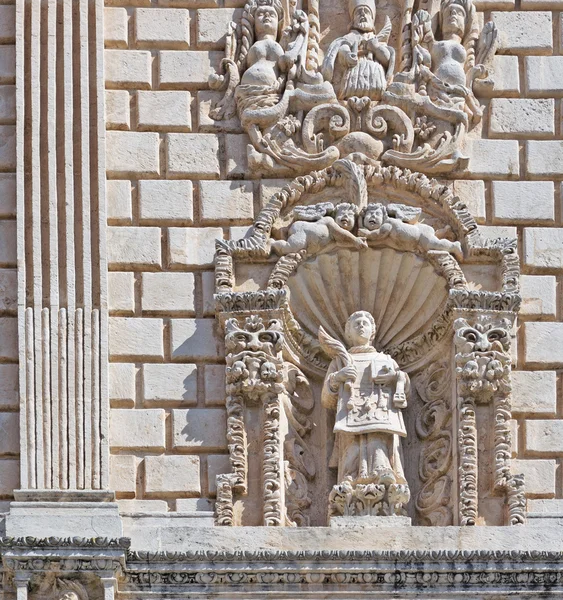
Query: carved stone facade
pixel 279 294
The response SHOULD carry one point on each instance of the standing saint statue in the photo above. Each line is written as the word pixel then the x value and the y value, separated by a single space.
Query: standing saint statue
pixel 368 391
pixel 360 63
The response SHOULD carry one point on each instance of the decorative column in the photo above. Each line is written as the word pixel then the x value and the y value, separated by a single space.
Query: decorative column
pixel 62 291
pixel 483 364
pixel 268 401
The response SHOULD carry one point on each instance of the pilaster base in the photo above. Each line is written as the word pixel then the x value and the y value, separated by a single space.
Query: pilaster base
pixel 62 519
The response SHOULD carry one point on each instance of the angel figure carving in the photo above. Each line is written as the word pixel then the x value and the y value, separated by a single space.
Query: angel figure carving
pixel 396 227
pixel 368 391
pixel 265 81
pixel 315 229
pixel 360 63
pixel 444 70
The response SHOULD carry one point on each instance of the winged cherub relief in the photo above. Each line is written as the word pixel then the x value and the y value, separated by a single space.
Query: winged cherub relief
pixel 396 226
pixel 315 228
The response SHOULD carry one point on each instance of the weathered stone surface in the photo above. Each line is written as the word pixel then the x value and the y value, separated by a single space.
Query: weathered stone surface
pixel 118 194
pixel 522 117
pixel 212 26
pixel 115 27
pixel 214 377
pixel 227 201
pixel 164 111
pixel 539 295
pixel 193 155
pixel 9 386
pixel 118 112
pixel 179 68
pixel 545 159
pixel 9 476
pixel 132 152
pixel 123 473
pixel 172 474
pixel 199 428
pixel 524 32
pixel 543 247
pixel 134 246
pixel 472 193
pixel 193 246
pixel 544 343
pixel 216 464
pixel 8 290
pixel 526 201
pixel 539 474
pixel 544 75
pixel 121 292
pixel 134 337
pixel 162 201
pixel 122 383
pixel 9 433
pixel 168 292
pixel 545 437
pixel 162 27
pixel 170 383
pixel 8 338
pixel 195 339
pixel 128 68
pixel 493 158
pixel 137 429
pixel 534 392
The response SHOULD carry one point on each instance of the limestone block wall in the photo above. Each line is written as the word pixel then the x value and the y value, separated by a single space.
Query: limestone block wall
pixel 9 402
pixel 177 181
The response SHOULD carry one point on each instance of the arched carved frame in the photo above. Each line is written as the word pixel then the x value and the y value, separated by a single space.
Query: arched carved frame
pixel 357 180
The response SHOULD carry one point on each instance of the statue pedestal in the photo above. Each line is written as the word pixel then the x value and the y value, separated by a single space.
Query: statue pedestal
pixel 351 522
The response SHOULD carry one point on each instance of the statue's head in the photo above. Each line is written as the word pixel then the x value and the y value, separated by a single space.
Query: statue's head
pixel 453 17
pixel 268 14
pixel 362 14
pixel 374 216
pixel 360 328
pixel 345 215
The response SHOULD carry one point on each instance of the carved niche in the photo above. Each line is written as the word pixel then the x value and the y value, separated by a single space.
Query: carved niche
pixel 405 252
pixel 403 92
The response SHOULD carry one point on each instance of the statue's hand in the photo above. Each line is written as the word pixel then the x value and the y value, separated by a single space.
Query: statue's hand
pixel 400 400
pixel 349 373
pixel 351 59
pixel 361 243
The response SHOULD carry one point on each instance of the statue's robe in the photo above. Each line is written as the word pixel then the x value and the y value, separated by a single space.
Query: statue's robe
pixel 367 78
pixel 368 425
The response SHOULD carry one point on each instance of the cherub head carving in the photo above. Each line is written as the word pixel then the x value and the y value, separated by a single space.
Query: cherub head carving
pixel 345 215
pixel 374 216
pixel 360 328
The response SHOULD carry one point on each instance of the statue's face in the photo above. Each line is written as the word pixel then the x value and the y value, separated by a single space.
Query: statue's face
pixel 363 19
pixel 265 21
pixel 453 22
pixel 360 330
pixel 373 219
pixel 345 217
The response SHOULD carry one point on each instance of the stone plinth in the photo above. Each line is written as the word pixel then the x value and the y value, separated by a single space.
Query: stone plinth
pixel 367 521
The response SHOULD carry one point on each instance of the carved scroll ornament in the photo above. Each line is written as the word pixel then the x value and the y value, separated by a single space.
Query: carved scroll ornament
pixel 408 106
